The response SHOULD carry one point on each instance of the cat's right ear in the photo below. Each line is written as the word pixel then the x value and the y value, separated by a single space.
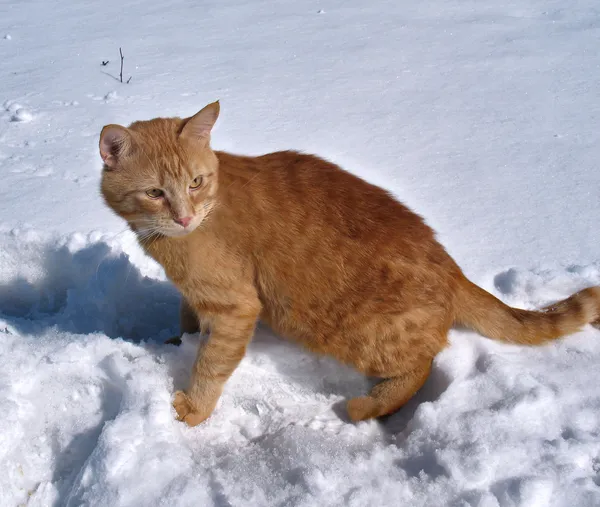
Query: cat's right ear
pixel 115 142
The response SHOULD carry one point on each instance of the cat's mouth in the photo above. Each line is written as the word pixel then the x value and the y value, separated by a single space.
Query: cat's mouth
pixel 170 231
pixel 177 230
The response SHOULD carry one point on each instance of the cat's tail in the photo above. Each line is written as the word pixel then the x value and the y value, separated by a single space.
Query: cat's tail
pixel 479 310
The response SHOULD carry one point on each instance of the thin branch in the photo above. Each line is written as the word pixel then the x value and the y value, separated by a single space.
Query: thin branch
pixel 122 58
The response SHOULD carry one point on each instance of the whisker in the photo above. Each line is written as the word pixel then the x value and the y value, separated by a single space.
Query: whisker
pixel 147 233
pixel 153 238
pixel 247 181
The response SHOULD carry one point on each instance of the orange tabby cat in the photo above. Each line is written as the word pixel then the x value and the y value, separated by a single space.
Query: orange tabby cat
pixel 318 254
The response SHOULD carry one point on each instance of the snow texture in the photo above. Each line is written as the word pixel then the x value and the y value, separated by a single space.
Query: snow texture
pixel 481 116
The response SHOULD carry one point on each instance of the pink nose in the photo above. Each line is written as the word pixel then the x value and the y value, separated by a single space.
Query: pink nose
pixel 185 221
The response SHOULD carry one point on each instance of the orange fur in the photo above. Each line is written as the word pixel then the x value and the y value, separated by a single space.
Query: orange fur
pixel 317 253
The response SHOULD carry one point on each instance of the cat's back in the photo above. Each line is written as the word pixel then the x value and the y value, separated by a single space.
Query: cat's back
pixel 294 209
pixel 304 190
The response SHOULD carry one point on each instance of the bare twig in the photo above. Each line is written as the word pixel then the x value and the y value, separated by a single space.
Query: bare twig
pixel 120 78
pixel 122 58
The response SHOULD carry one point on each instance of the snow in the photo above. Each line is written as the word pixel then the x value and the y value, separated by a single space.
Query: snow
pixel 482 116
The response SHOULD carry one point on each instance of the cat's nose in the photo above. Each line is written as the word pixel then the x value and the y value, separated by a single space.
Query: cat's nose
pixel 185 221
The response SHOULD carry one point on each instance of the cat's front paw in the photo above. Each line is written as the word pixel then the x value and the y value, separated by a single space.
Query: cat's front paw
pixel 186 411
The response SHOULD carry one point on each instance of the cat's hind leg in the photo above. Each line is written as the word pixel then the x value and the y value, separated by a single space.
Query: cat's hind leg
pixel 390 394
pixel 188 323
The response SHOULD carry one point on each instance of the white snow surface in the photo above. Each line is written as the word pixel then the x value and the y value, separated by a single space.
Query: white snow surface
pixel 484 117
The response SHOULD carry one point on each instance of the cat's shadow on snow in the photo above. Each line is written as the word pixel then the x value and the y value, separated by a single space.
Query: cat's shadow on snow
pixel 97 290
pixel 90 290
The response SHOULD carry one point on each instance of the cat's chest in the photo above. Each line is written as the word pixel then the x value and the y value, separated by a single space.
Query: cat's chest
pixel 193 265
pixel 175 257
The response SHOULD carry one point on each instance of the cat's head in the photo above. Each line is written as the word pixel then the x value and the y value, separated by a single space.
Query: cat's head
pixel 161 175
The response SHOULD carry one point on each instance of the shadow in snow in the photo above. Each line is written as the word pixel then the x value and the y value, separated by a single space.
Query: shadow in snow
pixel 91 290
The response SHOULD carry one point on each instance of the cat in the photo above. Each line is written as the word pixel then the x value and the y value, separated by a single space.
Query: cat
pixel 321 256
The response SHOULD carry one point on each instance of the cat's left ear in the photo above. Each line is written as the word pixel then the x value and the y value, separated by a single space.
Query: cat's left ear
pixel 198 127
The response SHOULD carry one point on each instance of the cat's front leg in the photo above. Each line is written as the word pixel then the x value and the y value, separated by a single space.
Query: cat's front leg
pixel 231 331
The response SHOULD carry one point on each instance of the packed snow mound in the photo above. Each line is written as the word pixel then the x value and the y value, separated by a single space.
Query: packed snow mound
pixel 86 386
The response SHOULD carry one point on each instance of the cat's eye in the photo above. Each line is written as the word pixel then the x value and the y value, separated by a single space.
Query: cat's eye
pixel 154 193
pixel 196 182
